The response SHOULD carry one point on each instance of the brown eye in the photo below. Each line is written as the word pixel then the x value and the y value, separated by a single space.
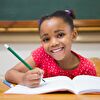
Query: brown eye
pixel 45 39
pixel 60 35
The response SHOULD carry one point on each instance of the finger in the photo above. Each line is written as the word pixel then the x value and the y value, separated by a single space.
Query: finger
pixel 34 83
pixel 34 76
pixel 37 70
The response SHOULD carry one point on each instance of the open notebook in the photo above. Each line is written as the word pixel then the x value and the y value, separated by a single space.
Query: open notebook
pixel 79 85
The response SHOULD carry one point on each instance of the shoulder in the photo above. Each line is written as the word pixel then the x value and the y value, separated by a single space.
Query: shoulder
pixel 84 60
pixel 39 52
pixel 39 55
pixel 85 63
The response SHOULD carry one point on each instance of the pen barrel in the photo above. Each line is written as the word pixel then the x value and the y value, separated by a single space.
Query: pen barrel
pixel 15 54
pixel 8 84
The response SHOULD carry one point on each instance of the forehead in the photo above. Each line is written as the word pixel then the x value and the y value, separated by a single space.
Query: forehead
pixel 54 24
pixel 53 21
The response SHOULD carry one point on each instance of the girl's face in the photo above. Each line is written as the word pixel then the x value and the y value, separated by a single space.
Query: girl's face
pixel 56 38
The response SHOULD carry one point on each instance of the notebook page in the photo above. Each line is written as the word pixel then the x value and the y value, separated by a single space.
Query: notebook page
pixel 86 83
pixel 51 84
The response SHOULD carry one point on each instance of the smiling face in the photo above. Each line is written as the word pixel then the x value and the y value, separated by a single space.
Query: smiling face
pixel 56 38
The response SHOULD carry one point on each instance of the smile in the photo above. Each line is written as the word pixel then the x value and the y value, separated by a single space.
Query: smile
pixel 57 50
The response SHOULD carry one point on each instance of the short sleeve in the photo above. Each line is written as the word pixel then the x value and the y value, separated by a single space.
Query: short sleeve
pixel 38 55
pixel 85 67
pixel 89 68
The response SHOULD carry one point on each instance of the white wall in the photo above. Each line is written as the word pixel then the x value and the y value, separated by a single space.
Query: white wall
pixel 7 60
pixel 87 49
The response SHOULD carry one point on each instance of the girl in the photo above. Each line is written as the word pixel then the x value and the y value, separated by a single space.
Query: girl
pixel 55 56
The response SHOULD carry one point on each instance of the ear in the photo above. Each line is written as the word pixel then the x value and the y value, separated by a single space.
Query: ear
pixel 74 34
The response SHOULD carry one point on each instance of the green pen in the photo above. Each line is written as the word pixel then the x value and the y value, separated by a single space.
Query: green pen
pixel 15 54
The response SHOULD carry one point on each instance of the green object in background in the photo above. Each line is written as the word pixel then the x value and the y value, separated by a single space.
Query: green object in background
pixel 35 9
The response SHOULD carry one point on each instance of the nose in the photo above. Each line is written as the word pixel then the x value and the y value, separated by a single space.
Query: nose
pixel 54 42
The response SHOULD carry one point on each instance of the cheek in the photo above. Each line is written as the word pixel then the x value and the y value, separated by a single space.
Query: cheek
pixel 67 42
pixel 45 46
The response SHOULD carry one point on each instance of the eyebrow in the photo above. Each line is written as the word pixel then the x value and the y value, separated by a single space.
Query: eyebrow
pixel 46 34
pixel 58 31
pixel 43 35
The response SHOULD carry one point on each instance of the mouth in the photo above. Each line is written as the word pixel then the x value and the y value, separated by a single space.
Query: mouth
pixel 57 50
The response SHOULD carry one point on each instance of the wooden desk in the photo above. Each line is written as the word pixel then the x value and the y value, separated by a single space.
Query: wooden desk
pixel 50 96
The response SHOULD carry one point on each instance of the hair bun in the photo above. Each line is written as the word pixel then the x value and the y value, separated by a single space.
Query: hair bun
pixel 70 13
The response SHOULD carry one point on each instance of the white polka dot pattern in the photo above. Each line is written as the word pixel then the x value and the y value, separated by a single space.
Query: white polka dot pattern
pixel 51 68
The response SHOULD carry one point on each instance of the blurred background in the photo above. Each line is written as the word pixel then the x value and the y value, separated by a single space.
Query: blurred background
pixel 19 27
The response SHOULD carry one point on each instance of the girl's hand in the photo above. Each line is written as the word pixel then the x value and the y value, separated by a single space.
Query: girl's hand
pixel 32 78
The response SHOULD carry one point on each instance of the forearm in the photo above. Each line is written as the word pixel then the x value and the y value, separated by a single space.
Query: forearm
pixel 14 76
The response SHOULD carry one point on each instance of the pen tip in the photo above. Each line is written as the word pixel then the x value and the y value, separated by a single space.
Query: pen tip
pixel 6 45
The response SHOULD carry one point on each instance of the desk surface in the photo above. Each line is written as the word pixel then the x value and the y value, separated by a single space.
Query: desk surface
pixel 51 96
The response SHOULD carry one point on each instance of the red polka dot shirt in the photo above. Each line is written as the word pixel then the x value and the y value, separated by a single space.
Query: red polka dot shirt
pixel 51 68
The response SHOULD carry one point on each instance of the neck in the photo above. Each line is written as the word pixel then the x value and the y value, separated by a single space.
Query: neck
pixel 70 62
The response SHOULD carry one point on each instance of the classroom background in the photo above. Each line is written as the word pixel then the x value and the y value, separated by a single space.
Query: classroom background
pixel 19 27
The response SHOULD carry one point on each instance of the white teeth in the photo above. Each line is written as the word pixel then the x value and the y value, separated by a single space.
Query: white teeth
pixel 56 50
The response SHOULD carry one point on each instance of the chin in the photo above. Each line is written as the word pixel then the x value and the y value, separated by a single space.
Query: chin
pixel 58 58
